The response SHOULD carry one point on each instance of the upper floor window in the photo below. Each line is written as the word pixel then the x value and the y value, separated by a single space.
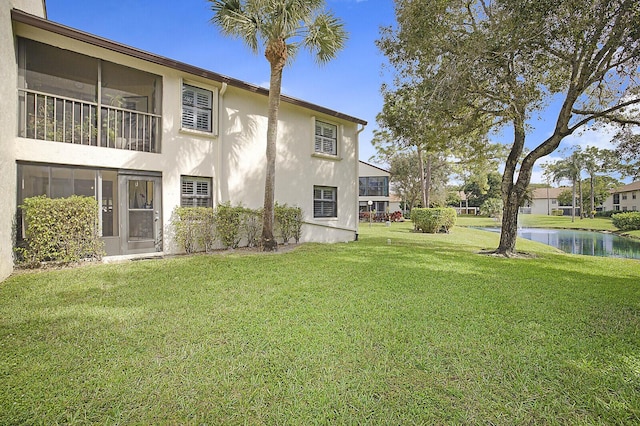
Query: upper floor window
pixel 616 198
pixel 326 138
pixel 196 192
pixel 624 196
pixel 374 186
pixel 197 108
pixel 325 201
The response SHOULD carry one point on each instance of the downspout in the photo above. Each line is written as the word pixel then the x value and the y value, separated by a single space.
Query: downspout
pixel 357 206
pixel 223 89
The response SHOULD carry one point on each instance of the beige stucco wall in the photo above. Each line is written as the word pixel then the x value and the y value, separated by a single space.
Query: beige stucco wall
pixel 8 119
pixel 243 139
pixel 234 157
pixel 628 204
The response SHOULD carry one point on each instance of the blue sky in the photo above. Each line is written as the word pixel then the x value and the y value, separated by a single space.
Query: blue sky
pixel 181 30
pixel 350 84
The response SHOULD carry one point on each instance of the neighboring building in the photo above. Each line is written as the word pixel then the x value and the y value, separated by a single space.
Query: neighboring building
pixel 463 207
pixel 145 134
pixel 624 198
pixel 545 201
pixel 395 203
pixel 374 188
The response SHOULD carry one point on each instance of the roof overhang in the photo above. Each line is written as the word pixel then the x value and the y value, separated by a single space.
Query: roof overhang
pixel 46 25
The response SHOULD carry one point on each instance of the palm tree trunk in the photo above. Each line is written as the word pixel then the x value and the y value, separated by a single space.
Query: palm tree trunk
pixel 277 60
pixel 581 198
pixel 427 181
pixel 573 202
pixel 592 196
pixel 423 185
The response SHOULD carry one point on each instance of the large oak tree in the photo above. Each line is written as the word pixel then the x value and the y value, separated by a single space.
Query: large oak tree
pixel 506 60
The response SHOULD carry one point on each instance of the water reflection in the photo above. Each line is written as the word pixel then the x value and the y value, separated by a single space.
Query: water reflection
pixel 582 242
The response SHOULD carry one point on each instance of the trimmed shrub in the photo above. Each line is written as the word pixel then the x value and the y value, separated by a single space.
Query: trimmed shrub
pixel 251 225
pixel 628 221
pixel 396 216
pixel 61 230
pixel 607 213
pixel 288 222
pixel 296 217
pixel 228 221
pixel 194 228
pixel 434 219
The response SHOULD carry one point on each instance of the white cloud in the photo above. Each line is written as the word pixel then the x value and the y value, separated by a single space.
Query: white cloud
pixel 599 137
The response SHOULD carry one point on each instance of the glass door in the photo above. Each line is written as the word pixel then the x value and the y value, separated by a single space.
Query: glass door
pixel 141 206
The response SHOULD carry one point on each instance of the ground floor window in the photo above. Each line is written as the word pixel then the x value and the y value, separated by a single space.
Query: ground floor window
pixel 378 207
pixel 325 202
pixel 195 192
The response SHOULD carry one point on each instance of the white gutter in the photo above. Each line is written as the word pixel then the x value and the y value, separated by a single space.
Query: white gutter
pixel 357 203
pixel 221 93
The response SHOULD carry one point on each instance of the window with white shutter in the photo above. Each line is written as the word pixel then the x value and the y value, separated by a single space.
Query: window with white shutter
pixel 326 138
pixel 195 192
pixel 325 201
pixel 197 108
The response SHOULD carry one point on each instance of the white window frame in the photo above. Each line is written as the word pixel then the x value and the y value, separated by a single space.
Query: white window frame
pixel 322 138
pixel 195 195
pixel 331 201
pixel 209 107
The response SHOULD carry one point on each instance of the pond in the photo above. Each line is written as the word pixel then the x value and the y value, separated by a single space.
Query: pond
pixel 582 242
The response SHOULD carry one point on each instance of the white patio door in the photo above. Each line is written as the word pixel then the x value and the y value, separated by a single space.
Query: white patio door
pixel 140 207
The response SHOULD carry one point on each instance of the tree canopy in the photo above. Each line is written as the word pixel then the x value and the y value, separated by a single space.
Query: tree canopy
pixel 497 63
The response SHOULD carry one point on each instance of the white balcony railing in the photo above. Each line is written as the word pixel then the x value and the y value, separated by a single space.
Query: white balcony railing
pixel 61 119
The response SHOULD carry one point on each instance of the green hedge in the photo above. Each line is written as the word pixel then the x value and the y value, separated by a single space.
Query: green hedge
pixel 198 228
pixel 628 221
pixel 288 222
pixel 60 230
pixel 228 222
pixel 194 228
pixel 433 220
pixel 251 226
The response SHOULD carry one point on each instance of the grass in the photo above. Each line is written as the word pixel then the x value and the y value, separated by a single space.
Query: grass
pixel 398 328
pixel 544 221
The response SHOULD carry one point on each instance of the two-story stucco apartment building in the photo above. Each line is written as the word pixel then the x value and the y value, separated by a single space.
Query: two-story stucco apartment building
pixel 144 134
pixel 624 198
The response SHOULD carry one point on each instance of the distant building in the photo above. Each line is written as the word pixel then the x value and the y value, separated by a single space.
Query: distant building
pixel 463 207
pixel 624 198
pixel 373 187
pixel 545 201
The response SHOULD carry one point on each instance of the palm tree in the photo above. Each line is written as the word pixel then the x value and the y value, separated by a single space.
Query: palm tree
pixel 281 27
pixel 568 168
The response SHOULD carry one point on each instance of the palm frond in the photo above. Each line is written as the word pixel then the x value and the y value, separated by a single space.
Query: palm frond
pixel 237 21
pixel 325 37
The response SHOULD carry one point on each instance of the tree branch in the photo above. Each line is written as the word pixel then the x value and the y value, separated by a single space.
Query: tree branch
pixel 592 115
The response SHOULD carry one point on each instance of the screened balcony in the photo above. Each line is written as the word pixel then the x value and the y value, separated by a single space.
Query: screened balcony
pixel 72 98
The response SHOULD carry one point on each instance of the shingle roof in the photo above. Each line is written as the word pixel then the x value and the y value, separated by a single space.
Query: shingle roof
pixel 633 186
pixel 551 193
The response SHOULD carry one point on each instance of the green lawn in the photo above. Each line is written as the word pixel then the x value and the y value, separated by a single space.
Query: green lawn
pixel 397 328
pixel 544 221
